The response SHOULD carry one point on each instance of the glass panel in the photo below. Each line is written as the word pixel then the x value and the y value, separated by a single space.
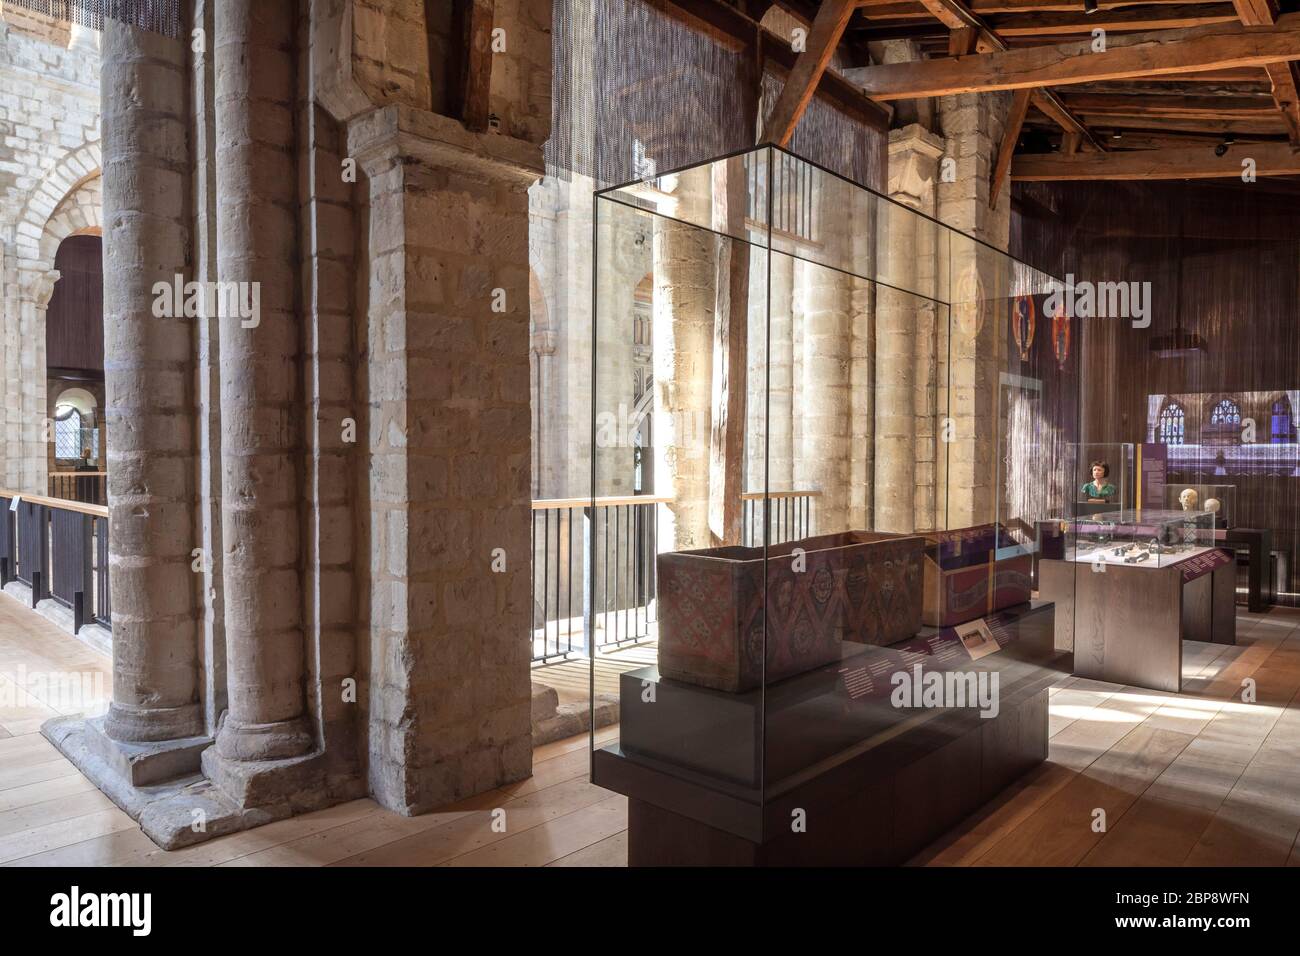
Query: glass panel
pixel 677 615
pixel 844 469
pixel 727 196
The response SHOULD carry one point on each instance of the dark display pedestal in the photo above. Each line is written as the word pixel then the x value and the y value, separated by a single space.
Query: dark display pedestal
pixel 1258 544
pixel 1127 624
pixel 875 783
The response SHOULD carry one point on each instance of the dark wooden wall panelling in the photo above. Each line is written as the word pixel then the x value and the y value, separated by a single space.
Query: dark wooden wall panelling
pixel 74 322
pixel 1223 260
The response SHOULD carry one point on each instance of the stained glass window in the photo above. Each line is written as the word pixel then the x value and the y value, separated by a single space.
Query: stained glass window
pixel 1280 432
pixel 1171 424
pixel 1227 412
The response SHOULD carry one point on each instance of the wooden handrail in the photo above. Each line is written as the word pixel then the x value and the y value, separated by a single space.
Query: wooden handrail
pixel 547 504
pixel 78 474
pixel 98 511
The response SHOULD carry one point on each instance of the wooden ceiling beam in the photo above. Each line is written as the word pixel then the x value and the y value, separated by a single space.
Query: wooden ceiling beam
pixel 1239 74
pixel 1200 162
pixel 470 70
pixel 1145 121
pixel 1167 17
pixel 1010 137
pixel 1227 107
pixel 1138 55
pixel 961 20
pixel 992 7
pixel 1050 104
pixel 1284 76
pixel 827 29
pixel 1180 139
pixel 1158 90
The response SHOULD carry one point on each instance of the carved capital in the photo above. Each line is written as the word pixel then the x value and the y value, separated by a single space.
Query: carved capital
pixel 913 160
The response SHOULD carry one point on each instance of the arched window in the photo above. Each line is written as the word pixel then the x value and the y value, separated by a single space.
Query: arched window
pixel 67 432
pixel 642 309
pixel 1281 431
pixel 1169 429
pixel 1227 412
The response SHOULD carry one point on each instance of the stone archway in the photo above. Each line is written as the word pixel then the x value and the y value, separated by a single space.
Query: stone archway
pixel 66 202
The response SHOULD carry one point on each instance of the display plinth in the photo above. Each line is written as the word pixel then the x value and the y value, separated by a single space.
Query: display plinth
pixel 1127 622
pixel 835 745
pixel 780 369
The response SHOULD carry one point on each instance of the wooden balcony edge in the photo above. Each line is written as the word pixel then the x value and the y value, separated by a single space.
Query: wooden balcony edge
pixel 97 511
pixel 549 504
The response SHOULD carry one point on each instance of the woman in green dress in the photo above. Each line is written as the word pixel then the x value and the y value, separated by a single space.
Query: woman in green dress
pixel 1099 489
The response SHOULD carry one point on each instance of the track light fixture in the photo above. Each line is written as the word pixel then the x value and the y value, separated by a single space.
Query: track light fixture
pixel 1090 7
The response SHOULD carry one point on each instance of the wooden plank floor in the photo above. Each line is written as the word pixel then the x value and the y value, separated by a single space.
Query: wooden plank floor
pixel 1195 778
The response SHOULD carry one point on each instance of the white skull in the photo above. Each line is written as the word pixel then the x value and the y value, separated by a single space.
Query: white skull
pixel 1188 499
pixel 1212 504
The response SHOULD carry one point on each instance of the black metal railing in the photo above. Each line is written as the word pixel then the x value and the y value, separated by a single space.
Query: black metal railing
pixel 88 487
pixel 789 516
pixel 620 607
pixel 615 600
pixel 59 549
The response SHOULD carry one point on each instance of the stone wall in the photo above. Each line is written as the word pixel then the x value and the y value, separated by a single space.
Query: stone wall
pixel 49 149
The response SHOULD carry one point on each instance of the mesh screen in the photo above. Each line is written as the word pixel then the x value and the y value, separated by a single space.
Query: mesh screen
pixel 1222 260
pixel 833 139
pixel 157 16
pixel 636 90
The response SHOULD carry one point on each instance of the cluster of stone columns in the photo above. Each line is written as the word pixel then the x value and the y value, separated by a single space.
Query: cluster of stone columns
pixel 156 566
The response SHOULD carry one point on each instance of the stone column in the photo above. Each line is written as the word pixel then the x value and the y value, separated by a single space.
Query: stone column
pixel 256 176
pixel 971 343
pixel 862 375
pixel 824 400
pixel 780 399
pixel 148 370
pixel 683 361
pixel 36 287
pixel 913 154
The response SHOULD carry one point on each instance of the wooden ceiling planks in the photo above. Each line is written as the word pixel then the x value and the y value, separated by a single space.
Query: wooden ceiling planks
pixel 1175 74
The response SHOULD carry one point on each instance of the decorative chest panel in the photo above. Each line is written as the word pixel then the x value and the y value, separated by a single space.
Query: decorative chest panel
pixel 964 580
pixel 821 591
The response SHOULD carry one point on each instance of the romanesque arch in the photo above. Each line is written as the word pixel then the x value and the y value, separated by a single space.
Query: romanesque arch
pixel 65 202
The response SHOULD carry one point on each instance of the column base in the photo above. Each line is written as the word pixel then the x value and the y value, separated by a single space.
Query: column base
pixel 135 764
pixel 298 782
pixel 281 740
pixel 187 809
pixel 150 725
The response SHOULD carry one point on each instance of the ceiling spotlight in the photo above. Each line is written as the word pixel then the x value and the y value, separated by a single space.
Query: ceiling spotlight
pixel 1117 134
pixel 1222 148
pixel 1089 6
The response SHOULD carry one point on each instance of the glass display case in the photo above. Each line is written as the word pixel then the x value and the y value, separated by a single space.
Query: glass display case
pixel 819 530
pixel 1219 500
pixel 1151 538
